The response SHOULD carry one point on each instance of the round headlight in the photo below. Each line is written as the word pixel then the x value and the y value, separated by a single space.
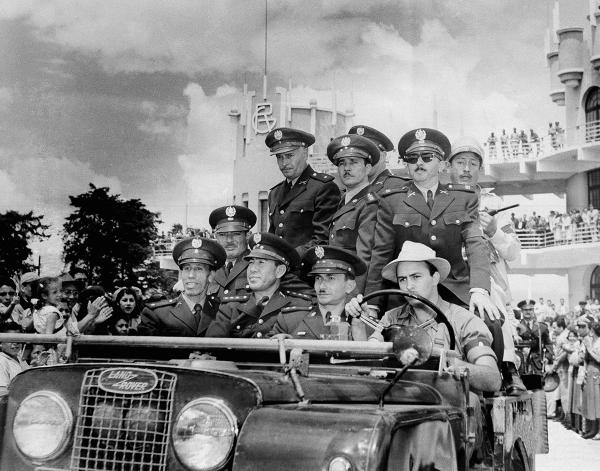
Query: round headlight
pixel 204 434
pixel 42 425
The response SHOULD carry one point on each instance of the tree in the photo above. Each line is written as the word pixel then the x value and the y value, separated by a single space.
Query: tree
pixel 108 236
pixel 177 229
pixel 16 232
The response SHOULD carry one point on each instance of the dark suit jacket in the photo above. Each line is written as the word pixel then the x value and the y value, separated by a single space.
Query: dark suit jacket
pixel 302 216
pixel 452 223
pixel 174 318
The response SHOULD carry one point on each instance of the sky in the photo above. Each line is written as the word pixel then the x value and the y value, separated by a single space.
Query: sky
pixel 134 94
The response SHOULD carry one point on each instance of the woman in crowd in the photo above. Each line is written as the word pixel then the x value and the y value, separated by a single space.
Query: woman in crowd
pixel 571 347
pixel 590 406
pixel 128 307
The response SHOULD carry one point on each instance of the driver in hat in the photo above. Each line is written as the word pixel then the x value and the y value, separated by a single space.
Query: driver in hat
pixel 418 271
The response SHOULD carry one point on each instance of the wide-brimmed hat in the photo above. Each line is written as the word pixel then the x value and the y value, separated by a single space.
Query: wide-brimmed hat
pixel 415 252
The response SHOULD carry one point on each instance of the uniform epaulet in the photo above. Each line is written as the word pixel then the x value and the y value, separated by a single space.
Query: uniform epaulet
pixel 279 184
pixel 461 187
pixel 406 179
pixel 295 294
pixel 233 299
pixel 322 177
pixel 289 309
pixel 393 191
pixel 166 302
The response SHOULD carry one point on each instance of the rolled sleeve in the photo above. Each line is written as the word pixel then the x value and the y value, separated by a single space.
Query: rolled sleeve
pixel 475 339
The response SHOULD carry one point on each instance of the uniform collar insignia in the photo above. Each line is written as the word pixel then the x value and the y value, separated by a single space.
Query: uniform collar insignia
pixel 412 193
pixel 443 192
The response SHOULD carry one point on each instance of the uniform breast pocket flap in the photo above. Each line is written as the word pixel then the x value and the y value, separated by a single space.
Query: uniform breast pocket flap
pixel 303 207
pixel 454 218
pixel 407 220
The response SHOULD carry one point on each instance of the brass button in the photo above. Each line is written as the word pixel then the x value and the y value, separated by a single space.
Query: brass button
pixel 281 212
pixel 458 221
pixel 280 224
pixel 260 321
pixel 433 237
pixel 259 335
pixel 407 224
pixel 238 327
pixel 433 222
pixel 226 291
pixel 247 286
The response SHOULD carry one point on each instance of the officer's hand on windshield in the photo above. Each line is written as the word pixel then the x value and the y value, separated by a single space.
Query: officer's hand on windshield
pixel 484 305
pixel 488 223
pixel 356 307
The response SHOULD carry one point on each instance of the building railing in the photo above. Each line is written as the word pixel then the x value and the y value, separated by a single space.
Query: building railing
pixel 542 238
pixel 517 150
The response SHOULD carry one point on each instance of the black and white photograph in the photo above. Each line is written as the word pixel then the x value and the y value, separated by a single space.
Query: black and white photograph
pixel 335 235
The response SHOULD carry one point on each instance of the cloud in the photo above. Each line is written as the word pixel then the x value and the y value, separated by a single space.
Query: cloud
pixel 42 184
pixel 207 164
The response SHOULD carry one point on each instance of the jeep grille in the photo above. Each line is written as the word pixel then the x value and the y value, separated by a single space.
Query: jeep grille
pixel 123 432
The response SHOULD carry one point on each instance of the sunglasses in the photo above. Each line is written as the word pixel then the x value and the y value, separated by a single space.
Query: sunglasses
pixel 9 293
pixel 426 157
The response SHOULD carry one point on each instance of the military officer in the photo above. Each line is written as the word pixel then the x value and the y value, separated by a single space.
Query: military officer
pixel 466 162
pixel 380 177
pixel 354 225
pixel 231 225
pixel 537 335
pixel 444 217
pixel 191 313
pixel 253 314
pixel 334 270
pixel 301 206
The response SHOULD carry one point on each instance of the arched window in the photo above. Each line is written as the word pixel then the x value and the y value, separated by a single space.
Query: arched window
pixel 595 284
pixel 592 115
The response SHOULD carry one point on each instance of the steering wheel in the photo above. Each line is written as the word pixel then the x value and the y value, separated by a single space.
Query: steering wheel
pixel 440 317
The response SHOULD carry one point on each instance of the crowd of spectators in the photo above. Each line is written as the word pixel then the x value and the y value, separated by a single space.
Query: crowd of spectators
pixel 520 144
pixel 575 341
pixel 61 304
pixel 572 226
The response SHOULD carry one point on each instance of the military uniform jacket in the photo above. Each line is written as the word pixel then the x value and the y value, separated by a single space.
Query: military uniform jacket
pixel 240 317
pixel 386 180
pixel 359 226
pixel 175 318
pixel 233 284
pixel 302 216
pixel 452 223
pixel 532 334
pixel 305 323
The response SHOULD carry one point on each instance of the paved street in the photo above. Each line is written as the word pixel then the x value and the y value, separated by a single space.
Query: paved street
pixel 568 451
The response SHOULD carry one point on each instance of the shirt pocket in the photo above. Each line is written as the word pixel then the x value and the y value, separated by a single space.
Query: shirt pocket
pixel 455 218
pixel 407 220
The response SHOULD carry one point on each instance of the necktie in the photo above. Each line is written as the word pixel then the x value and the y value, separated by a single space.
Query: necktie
pixel 260 305
pixel 328 318
pixel 430 199
pixel 288 187
pixel 228 267
pixel 197 309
